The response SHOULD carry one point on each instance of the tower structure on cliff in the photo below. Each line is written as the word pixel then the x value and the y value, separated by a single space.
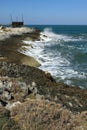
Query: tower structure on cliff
pixel 17 23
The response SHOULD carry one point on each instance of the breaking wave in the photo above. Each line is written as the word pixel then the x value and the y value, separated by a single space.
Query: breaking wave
pixel 56 54
pixel 49 35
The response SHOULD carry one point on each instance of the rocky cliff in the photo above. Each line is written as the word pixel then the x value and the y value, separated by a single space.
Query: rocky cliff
pixel 31 99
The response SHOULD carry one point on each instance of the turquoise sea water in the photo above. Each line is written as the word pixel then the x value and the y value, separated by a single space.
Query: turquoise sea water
pixel 63 52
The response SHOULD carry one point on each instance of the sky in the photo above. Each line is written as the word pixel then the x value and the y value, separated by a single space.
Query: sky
pixel 54 12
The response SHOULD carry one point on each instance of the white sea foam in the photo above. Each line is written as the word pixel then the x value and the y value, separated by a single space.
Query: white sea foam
pixel 49 35
pixel 50 60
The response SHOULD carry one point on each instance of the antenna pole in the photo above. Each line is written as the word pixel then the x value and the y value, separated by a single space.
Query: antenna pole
pixel 11 18
pixel 22 18
pixel 17 18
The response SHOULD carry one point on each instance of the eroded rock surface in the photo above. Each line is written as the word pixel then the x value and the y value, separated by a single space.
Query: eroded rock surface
pixel 11 48
pixel 22 77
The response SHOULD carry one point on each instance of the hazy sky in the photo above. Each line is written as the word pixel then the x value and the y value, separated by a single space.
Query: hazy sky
pixel 44 11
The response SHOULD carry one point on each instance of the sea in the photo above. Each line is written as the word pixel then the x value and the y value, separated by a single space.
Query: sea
pixel 62 51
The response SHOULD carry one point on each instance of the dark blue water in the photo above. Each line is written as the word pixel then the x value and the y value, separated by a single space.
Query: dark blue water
pixel 65 55
pixel 63 29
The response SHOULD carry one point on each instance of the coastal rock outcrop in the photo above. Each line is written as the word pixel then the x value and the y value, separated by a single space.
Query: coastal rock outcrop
pixel 28 80
pixel 35 100
pixel 15 89
pixel 12 45
pixel 29 97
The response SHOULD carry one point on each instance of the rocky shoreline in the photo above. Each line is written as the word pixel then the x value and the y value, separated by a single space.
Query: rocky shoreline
pixel 12 43
pixel 31 99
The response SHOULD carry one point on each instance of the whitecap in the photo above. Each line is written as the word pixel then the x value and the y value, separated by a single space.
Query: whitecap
pixel 49 35
pixel 53 62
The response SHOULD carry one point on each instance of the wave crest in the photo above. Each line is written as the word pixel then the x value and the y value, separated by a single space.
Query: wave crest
pixel 49 35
